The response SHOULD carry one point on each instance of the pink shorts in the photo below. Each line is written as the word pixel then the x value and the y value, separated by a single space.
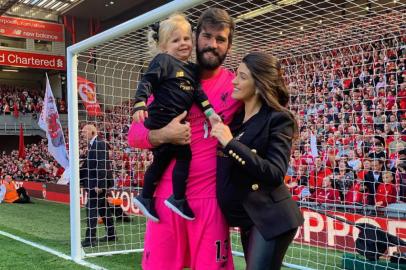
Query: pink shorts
pixel 175 243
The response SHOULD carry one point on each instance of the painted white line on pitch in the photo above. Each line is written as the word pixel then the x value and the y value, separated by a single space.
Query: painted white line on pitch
pixel 52 251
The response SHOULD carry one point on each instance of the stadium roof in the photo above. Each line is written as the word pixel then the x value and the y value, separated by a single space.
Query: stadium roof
pixel 104 10
pixel 40 9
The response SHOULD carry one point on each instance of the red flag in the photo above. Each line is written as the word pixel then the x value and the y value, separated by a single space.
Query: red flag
pixel 21 148
pixel 87 91
pixel 15 112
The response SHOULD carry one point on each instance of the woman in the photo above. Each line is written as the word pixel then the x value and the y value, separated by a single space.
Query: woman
pixel 254 161
pixel 344 178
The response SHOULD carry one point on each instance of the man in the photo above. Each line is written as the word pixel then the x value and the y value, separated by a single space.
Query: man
pixel 2 192
pixel 96 177
pixel 319 173
pixel 373 178
pixel 379 148
pixel 175 243
pixel 10 194
pixel 327 193
pixel 402 181
pixel 397 144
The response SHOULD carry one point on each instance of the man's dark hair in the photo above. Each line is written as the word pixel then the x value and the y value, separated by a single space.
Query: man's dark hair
pixel 381 140
pixel 402 152
pixel 217 18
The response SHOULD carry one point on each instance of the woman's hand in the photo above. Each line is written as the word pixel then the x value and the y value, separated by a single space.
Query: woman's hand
pixel 222 133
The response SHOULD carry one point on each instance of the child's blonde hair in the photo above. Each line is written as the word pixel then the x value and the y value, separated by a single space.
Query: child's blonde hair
pixel 158 40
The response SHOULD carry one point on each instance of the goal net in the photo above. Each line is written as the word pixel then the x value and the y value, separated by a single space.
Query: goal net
pixel 344 64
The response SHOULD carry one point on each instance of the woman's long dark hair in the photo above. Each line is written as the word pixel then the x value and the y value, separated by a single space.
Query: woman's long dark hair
pixel 267 74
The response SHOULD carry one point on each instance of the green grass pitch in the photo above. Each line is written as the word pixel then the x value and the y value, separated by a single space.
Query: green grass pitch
pixel 47 223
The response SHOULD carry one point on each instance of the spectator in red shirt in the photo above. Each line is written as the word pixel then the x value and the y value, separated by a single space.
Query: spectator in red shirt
pixel 386 191
pixel 298 184
pixel 296 160
pixel 319 173
pixel 326 194
pixel 366 167
pixel 357 194
pixel 15 110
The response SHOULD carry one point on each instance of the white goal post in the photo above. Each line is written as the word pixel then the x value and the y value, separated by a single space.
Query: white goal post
pixel 72 64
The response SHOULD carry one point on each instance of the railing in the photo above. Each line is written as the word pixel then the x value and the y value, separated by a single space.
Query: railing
pixel 10 125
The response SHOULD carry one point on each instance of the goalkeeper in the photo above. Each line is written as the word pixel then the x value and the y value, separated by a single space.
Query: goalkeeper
pixel 174 242
pixel 174 83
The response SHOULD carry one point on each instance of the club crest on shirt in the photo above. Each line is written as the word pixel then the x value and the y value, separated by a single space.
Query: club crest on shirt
pixel 224 100
pixel 224 97
pixel 180 73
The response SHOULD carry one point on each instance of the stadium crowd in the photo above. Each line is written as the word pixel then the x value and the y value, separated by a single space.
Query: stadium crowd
pixel 350 103
pixel 351 106
pixel 38 164
pixel 128 164
pixel 23 100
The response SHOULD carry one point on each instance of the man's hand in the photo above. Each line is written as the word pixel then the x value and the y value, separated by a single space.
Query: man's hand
pixel 175 132
pixel 98 190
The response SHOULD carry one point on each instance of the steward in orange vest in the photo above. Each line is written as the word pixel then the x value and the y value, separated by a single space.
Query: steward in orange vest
pixel 14 195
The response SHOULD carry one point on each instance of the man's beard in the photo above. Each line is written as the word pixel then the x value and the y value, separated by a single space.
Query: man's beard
pixel 212 63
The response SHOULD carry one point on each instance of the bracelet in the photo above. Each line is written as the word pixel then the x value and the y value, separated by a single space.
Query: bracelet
pixel 209 112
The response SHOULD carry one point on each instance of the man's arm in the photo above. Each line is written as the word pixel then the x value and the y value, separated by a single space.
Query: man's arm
pixel 175 132
pixel 2 192
pixel 102 165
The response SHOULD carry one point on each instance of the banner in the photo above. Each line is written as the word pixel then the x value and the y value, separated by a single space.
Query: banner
pixel 32 29
pixel 49 122
pixel 64 180
pixel 87 92
pixel 32 60
pixel 323 231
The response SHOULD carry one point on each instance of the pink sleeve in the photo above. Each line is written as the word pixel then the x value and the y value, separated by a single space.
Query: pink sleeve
pixel 138 136
pixel 138 133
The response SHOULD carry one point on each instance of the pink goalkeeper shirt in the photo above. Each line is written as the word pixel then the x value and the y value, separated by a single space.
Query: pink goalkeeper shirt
pixel 202 174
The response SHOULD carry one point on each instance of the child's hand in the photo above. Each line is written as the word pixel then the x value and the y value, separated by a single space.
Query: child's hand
pixel 215 119
pixel 140 116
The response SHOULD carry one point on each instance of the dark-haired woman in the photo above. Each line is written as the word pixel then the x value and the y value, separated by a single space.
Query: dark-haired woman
pixel 254 160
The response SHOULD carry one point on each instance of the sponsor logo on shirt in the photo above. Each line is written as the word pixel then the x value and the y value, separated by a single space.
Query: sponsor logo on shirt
pixel 186 86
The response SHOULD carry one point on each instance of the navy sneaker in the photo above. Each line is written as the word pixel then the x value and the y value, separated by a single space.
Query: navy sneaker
pixel 147 207
pixel 108 239
pixel 180 207
pixel 88 243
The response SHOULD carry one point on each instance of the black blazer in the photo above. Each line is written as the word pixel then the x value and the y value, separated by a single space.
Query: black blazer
pixel 96 169
pixel 260 160
pixel 372 185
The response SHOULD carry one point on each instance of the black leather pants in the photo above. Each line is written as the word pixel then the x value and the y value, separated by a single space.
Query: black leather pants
pixel 261 254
